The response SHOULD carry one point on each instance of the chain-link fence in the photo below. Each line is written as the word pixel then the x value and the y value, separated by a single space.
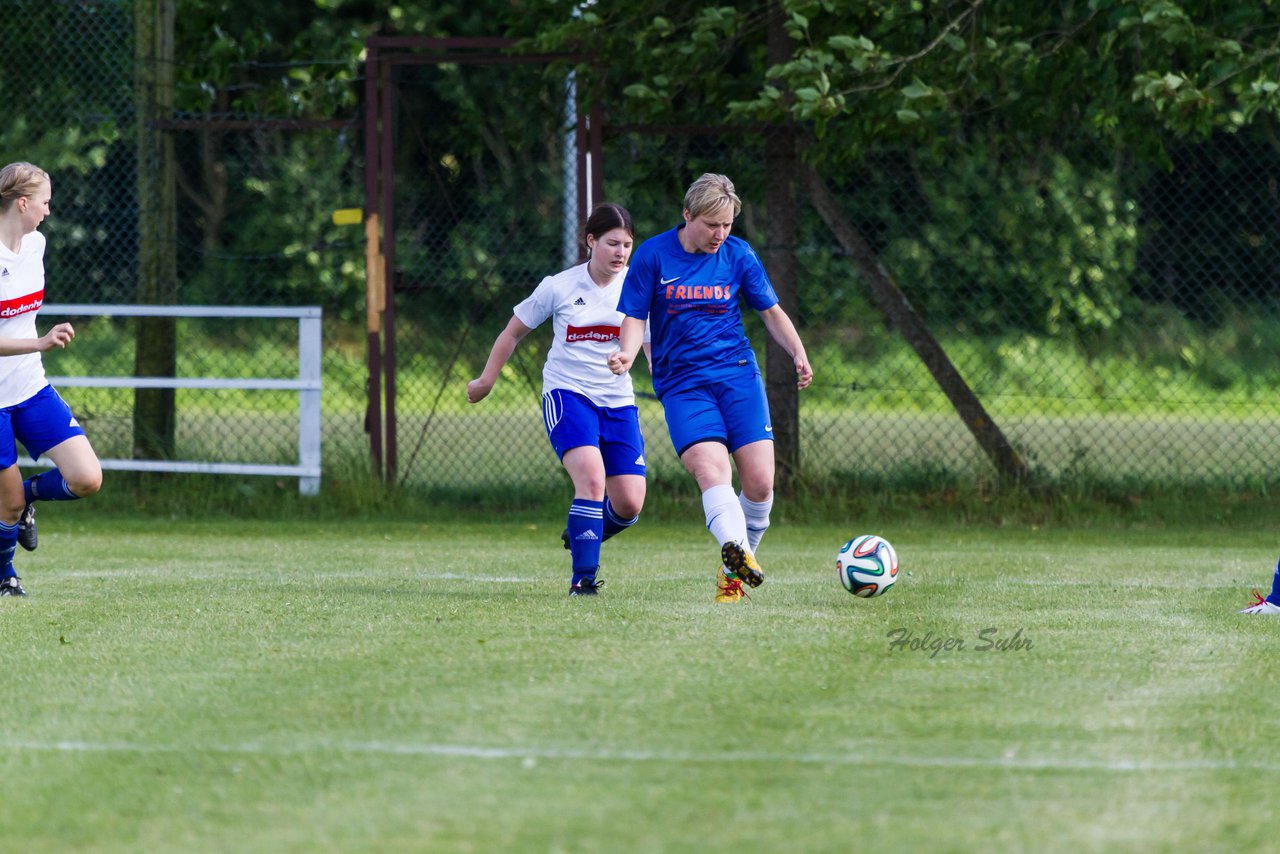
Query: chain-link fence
pixel 168 189
pixel 485 206
pixel 1113 318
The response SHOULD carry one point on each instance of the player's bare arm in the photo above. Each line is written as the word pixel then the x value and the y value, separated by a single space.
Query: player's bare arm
pixel 58 336
pixel 784 332
pixel 503 346
pixel 630 339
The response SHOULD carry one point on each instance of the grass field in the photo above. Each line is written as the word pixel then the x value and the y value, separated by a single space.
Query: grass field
pixel 177 685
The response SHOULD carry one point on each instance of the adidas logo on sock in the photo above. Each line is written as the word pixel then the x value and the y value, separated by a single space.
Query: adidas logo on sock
pixel 579 301
pixel 587 535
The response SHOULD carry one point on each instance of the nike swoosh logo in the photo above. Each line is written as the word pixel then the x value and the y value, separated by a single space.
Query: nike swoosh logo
pixel 663 281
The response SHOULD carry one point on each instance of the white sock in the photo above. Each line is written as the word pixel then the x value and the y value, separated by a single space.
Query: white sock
pixel 724 515
pixel 757 518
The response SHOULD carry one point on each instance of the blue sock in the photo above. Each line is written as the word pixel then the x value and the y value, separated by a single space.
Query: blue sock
pixel 612 523
pixel 8 542
pixel 1274 598
pixel 48 486
pixel 586 532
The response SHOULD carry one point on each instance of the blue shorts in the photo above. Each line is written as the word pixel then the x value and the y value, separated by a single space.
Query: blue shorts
pixel 573 421
pixel 731 413
pixel 39 423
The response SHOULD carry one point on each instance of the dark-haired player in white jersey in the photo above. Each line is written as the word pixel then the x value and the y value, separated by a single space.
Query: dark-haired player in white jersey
pixel 687 282
pixel 31 412
pixel 589 411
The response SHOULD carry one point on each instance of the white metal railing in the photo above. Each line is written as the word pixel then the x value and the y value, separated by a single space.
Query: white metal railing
pixel 307 385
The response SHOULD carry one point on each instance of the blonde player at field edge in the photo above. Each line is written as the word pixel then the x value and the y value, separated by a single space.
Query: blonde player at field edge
pixel 31 412
pixel 686 282
pixel 589 411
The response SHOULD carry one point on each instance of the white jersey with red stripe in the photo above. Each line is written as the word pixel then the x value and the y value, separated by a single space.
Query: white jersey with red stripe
pixel 21 295
pixel 585 323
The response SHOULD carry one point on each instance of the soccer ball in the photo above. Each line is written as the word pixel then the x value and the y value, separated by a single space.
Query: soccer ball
pixel 867 566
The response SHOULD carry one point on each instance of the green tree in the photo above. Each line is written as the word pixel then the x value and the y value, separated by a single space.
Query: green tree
pixel 67 114
pixel 245 77
pixel 1072 92
pixel 156 353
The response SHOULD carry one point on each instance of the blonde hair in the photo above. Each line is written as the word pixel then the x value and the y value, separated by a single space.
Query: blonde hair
pixel 18 180
pixel 710 193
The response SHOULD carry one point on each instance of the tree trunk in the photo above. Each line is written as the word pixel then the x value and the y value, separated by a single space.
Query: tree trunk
pixel 780 260
pixel 902 315
pixel 781 167
pixel 154 417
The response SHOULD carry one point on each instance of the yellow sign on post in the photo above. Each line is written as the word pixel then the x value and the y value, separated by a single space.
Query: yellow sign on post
pixel 348 216
pixel 375 275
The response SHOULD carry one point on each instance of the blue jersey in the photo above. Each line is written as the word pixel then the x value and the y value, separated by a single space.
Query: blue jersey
pixel 691 302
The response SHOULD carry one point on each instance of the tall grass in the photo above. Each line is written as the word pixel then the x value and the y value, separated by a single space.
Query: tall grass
pixel 1170 406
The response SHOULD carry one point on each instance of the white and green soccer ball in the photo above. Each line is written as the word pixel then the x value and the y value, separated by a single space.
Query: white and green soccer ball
pixel 867 566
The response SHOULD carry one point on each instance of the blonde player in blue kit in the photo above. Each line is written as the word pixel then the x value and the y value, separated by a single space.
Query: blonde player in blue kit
pixel 589 411
pixel 687 283
pixel 31 412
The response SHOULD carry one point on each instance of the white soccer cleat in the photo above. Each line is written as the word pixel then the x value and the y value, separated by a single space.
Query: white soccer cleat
pixel 1261 606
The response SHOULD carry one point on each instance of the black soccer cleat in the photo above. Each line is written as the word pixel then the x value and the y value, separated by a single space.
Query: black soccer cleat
pixel 27 536
pixel 11 586
pixel 589 587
